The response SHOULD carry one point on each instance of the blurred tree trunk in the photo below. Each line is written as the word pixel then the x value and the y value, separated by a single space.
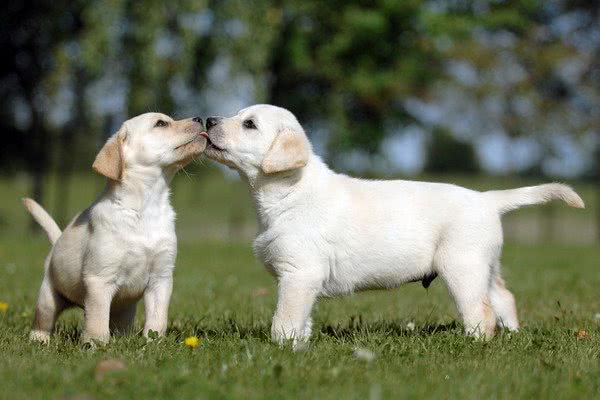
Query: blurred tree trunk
pixel 66 159
pixel 598 192
pixel 38 162
pixel 64 172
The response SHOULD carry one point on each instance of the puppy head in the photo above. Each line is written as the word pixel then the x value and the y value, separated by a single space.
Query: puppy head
pixel 151 140
pixel 260 139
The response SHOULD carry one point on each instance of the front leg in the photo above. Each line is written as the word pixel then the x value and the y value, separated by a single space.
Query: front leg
pixel 296 297
pixel 156 303
pixel 98 298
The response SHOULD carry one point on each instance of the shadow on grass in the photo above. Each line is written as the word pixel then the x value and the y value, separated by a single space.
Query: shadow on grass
pixel 226 329
pixel 69 334
pixel 385 328
pixel 230 328
pixel 356 328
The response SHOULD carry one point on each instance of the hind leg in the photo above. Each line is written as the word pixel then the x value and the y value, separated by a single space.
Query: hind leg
pixel 49 306
pixel 467 279
pixel 503 302
pixel 121 321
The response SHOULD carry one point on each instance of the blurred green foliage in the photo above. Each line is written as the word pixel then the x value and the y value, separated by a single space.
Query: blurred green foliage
pixel 448 154
pixel 76 69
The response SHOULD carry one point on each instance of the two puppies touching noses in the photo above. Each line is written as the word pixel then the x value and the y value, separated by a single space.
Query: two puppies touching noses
pixel 320 233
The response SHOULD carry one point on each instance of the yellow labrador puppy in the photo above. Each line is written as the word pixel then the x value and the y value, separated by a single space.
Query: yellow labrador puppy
pixel 123 246
pixel 326 234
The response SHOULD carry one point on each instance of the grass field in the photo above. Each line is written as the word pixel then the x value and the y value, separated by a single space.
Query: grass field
pixel 225 297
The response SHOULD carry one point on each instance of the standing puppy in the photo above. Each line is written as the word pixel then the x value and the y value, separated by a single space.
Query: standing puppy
pixel 327 234
pixel 123 246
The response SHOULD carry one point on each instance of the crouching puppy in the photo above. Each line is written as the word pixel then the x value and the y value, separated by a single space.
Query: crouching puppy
pixel 327 234
pixel 123 246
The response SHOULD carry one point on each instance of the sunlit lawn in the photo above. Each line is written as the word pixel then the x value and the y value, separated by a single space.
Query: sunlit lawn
pixel 225 298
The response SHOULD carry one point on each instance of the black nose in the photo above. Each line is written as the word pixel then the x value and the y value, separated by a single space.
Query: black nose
pixel 197 119
pixel 211 121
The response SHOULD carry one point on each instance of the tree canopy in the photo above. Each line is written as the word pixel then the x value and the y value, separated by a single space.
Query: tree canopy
pixel 354 71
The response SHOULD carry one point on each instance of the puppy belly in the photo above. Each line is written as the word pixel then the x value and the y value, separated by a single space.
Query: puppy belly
pixel 125 298
pixel 376 276
pixel 131 291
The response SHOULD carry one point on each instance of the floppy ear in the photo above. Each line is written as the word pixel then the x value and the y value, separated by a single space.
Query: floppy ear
pixel 289 151
pixel 109 161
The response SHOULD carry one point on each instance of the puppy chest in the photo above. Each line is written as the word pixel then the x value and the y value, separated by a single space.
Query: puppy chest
pixel 140 263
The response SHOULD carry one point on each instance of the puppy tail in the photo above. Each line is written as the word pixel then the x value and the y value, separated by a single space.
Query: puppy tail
pixel 44 219
pixel 508 200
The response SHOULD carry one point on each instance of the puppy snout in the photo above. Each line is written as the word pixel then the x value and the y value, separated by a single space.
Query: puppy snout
pixel 212 121
pixel 198 120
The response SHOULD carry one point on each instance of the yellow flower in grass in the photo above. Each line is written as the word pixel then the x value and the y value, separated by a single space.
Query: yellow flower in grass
pixel 192 341
pixel 3 306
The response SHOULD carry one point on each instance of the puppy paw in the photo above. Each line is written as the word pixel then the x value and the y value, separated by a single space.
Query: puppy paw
pixel 297 343
pixel 94 341
pixel 39 336
pixel 300 345
pixel 480 335
pixel 152 335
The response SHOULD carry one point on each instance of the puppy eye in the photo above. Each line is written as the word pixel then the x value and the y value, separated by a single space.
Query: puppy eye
pixel 161 124
pixel 249 124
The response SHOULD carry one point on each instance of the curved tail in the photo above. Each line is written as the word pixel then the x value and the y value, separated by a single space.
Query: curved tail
pixel 44 219
pixel 508 200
